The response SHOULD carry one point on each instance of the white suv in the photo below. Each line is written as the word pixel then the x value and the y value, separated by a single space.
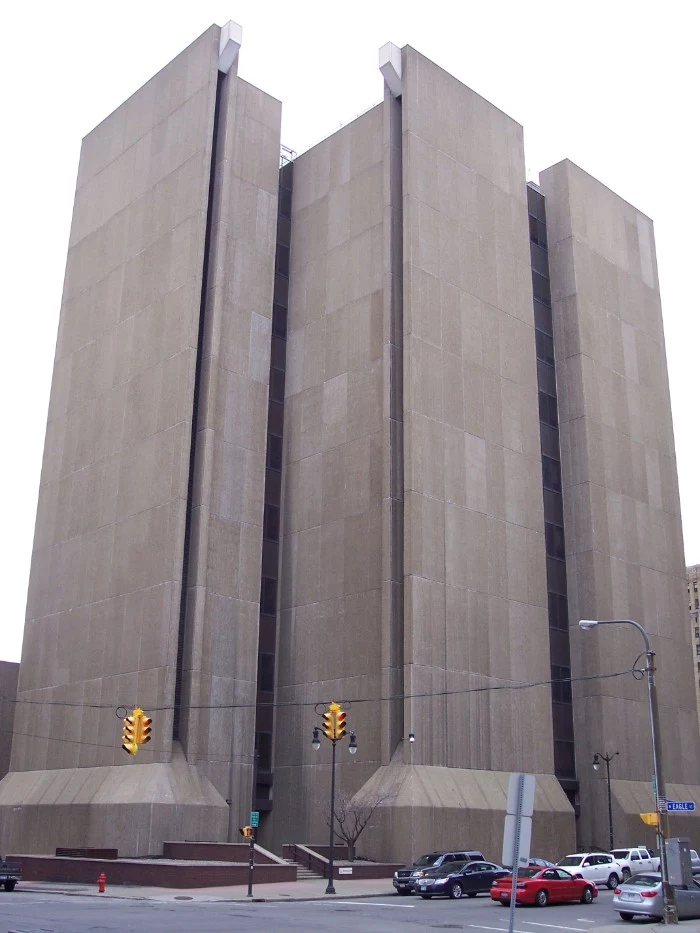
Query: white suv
pixel 600 867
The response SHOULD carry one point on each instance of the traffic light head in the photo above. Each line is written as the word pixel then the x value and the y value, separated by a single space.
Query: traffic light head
pixel 129 735
pixel 327 728
pixel 340 723
pixel 144 729
pixel 137 731
pixel 246 832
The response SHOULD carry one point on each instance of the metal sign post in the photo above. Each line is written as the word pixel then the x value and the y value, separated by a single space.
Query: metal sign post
pixel 517 830
pixel 516 853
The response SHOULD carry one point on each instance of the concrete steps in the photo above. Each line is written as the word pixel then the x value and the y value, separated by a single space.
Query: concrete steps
pixel 303 873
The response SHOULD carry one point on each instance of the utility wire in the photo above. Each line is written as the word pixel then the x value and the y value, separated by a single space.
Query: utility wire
pixel 286 704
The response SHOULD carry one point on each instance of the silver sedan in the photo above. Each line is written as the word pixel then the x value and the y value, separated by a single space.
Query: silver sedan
pixel 641 896
pixel 695 862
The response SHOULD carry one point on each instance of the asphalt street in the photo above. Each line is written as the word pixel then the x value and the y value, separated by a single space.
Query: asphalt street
pixel 52 913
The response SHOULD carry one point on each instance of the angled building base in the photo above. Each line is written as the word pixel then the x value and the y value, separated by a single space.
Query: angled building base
pixel 424 807
pixel 631 798
pixel 132 809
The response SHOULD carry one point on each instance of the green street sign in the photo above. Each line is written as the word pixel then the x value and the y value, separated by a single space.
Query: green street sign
pixel 255 818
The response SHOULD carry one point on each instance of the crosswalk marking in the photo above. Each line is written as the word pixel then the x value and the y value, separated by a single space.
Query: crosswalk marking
pixel 554 926
pixel 474 926
pixel 364 904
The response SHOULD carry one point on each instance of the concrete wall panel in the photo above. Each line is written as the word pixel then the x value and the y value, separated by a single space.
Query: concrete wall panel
pixel 621 509
pixel 220 657
pixel 473 501
pixel 108 547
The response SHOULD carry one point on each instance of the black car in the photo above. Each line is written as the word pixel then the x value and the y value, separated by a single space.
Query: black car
pixel 405 878
pixel 453 881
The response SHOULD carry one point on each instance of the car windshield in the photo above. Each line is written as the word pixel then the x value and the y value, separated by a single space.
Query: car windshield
pixel 643 880
pixel 620 853
pixel 447 868
pixel 427 860
pixel 569 860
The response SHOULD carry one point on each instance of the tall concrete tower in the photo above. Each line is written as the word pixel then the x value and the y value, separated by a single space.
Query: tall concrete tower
pixel 378 425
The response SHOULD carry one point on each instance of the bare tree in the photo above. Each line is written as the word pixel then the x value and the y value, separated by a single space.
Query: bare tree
pixel 352 816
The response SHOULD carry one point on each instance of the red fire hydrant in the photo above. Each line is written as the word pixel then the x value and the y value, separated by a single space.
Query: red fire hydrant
pixel 101 882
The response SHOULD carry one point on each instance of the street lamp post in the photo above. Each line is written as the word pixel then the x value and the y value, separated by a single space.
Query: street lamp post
pixel 334 728
pixel 596 767
pixel 669 895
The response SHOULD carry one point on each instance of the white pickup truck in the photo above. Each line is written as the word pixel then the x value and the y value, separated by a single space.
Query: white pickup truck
pixel 633 860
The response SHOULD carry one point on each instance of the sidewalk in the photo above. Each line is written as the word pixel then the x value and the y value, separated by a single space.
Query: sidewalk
pixel 309 890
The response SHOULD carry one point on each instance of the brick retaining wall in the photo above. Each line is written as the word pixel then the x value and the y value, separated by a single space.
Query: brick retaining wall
pixel 156 873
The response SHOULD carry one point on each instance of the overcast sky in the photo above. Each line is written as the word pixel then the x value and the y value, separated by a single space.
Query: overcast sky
pixel 611 85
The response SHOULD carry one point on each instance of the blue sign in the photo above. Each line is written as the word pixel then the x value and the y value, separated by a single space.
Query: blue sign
pixel 255 818
pixel 681 805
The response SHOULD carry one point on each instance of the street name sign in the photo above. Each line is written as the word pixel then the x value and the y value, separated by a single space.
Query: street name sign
pixel 687 805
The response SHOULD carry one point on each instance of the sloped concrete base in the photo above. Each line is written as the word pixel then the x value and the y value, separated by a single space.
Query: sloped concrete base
pixel 426 808
pixel 630 798
pixel 133 809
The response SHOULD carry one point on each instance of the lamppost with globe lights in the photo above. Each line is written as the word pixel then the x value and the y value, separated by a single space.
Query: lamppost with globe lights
pixel 596 767
pixel 334 728
pixel 669 895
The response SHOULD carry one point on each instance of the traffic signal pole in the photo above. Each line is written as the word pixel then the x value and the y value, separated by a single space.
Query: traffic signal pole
pixel 329 888
pixel 251 863
pixel 334 727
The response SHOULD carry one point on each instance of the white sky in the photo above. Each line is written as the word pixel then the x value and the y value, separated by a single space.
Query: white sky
pixel 611 85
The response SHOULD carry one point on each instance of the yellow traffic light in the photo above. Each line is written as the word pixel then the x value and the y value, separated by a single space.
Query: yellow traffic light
pixel 129 735
pixel 328 725
pixel 144 728
pixel 334 722
pixel 651 819
pixel 137 731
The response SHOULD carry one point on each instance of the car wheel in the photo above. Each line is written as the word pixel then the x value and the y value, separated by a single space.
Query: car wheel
pixel 613 881
pixel 456 891
pixel 426 897
pixel 10 885
pixel 471 893
pixel 542 898
pixel 504 903
pixel 625 874
pixel 626 916
pixel 587 896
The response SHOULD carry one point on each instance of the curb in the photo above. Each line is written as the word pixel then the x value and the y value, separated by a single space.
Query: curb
pixel 272 899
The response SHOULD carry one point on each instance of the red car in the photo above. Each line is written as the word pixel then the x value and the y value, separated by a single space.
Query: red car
pixel 543 886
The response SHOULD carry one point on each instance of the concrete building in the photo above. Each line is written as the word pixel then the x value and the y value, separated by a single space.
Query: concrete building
pixel 693 574
pixel 9 673
pixel 376 426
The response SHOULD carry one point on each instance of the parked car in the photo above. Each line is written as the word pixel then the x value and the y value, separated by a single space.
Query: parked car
pixel 695 862
pixel 641 895
pixel 540 863
pixel 633 860
pixel 405 878
pixel 455 879
pixel 599 867
pixel 542 886
pixel 10 874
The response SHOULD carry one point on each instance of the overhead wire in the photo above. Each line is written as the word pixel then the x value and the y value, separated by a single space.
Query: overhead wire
pixel 285 704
